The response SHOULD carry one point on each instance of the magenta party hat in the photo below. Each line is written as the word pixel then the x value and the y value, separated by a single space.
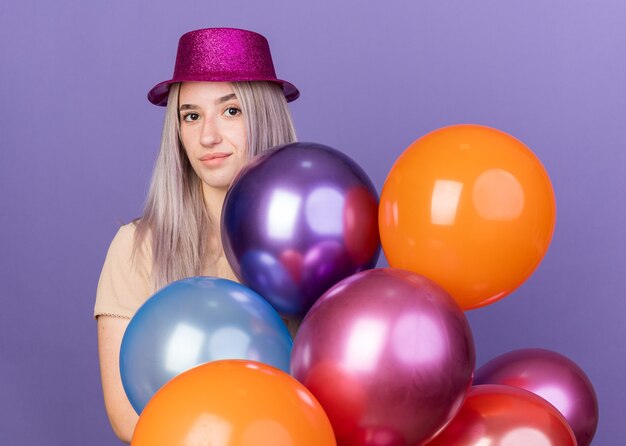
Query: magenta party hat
pixel 222 55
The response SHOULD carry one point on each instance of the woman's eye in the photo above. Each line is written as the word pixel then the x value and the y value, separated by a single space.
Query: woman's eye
pixel 232 111
pixel 191 117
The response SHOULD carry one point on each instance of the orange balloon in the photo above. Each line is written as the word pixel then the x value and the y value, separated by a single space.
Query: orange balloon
pixel 469 207
pixel 233 403
pixel 502 415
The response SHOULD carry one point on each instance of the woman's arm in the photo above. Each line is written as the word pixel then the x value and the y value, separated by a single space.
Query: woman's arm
pixel 122 416
pixel 123 287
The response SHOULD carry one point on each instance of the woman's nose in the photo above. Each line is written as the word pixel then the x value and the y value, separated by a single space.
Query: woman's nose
pixel 210 134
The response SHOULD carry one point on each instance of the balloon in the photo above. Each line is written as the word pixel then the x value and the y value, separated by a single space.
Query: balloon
pixel 502 415
pixel 553 377
pixel 469 207
pixel 233 403
pixel 196 320
pixel 388 354
pixel 297 220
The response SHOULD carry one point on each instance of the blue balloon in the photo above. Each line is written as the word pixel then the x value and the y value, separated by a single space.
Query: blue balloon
pixel 194 321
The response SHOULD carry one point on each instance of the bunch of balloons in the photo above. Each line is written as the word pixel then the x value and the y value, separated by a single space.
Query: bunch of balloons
pixel 383 356
pixel 298 219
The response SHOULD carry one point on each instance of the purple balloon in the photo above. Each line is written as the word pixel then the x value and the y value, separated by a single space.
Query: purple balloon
pixel 262 271
pixel 298 219
pixel 553 377
pixel 389 355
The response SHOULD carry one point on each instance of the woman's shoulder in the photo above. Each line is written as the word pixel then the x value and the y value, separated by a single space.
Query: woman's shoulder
pixel 126 233
pixel 123 242
pixel 126 237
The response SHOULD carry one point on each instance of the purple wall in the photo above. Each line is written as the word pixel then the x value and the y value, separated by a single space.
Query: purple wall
pixel 79 138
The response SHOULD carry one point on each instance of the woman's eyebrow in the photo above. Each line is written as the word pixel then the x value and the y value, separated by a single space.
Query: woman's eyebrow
pixel 221 100
pixel 228 97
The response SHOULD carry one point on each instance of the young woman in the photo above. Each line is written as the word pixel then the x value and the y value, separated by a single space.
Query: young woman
pixel 224 105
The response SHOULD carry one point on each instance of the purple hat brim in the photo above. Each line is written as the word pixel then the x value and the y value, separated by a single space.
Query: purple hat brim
pixel 159 93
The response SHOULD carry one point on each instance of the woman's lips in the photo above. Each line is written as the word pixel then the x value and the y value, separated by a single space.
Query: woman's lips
pixel 213 159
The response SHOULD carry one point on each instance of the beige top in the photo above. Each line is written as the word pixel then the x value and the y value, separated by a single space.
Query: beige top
pixel 125 282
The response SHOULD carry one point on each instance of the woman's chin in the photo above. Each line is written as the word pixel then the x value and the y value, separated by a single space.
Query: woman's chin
pixel 219 183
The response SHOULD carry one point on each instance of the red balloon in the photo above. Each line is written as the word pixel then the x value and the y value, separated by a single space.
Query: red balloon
pixel 388 354
pixel 553 377
pixel 502 415
pixel 344 400
pixel 361 224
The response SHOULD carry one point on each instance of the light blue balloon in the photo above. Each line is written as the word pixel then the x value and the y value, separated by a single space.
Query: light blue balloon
pixel 194 321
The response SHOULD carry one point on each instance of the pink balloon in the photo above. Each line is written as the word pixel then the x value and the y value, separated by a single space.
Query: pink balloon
pixel 553 377
pixel 389 355
pixel 501 415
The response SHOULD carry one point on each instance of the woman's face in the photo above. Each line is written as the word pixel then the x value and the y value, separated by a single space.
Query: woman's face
pixel 212 131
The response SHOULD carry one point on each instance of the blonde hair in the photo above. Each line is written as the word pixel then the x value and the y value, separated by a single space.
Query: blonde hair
pixel 175 219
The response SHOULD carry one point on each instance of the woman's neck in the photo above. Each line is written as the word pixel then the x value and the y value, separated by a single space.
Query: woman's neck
pixel 213 201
